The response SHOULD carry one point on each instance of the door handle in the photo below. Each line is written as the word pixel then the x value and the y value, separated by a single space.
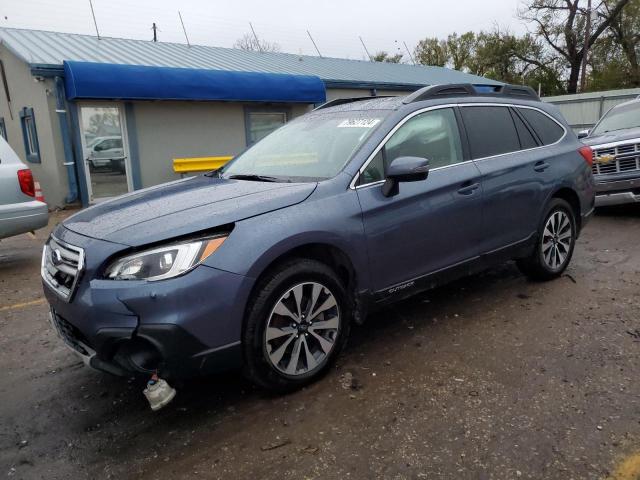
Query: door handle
pixel 468 188
pixel 541 166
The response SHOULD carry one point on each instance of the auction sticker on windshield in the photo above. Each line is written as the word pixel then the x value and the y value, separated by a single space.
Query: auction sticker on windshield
pixel 359 123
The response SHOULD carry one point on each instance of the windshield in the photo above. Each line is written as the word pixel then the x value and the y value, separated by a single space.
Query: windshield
pixel 314 147
pixel 619 118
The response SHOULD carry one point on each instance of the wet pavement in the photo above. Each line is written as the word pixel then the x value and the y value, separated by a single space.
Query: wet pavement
pixel 491 377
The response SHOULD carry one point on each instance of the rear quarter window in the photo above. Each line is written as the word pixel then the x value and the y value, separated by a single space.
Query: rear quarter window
pixel 548 130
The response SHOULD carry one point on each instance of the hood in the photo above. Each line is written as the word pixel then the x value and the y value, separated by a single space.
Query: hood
pixel 613 137
pixel 183 207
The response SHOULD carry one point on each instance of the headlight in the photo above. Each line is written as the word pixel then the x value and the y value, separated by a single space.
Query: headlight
pixel 164 262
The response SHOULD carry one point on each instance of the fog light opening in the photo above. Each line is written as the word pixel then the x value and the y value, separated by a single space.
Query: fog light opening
pixel 141 356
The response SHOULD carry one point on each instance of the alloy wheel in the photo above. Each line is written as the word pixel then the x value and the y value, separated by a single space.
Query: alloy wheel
pixel 557 239
pixel 302 329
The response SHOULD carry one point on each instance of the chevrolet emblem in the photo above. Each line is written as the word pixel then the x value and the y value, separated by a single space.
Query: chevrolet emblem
pixel 606 158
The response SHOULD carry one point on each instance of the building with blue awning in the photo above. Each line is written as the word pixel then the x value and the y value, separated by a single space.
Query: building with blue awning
pixel 95 118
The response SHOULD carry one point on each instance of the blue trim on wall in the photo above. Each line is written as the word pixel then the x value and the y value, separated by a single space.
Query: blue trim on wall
pixel 79 155
pixel 139 82
pixel 25 114
pixel 132 137
pixel 46 70
pixel 69 160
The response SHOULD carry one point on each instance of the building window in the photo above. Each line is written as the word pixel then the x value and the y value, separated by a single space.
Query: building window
pixel 30 135
pixel 260 122
pixel 3 129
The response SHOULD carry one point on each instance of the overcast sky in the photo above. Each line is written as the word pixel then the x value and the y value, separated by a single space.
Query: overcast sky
pixel 334 24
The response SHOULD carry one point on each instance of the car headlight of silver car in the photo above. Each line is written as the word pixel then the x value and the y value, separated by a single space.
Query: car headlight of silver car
pixel 164 262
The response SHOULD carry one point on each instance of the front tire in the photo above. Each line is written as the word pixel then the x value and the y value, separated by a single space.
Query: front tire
pixel 297 323
pixel 556 241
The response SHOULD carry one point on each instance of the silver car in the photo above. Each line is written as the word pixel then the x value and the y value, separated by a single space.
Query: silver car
pixel 20 212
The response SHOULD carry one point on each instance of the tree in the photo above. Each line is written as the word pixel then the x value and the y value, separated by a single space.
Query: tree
pixel 625 31
pixel 432 51
pixel 534 65
pixel 386 57
pixel 608 68
pixel 460 49
pixel 498 55
pixel 251 43
pixel 562 23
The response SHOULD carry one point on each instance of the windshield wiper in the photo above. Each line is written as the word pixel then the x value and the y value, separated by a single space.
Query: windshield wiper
pixel 253 177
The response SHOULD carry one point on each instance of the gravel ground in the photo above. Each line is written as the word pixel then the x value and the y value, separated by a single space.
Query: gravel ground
pixel 491 377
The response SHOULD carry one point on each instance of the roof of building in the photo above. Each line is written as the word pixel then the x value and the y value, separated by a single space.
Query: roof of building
pixel 42 49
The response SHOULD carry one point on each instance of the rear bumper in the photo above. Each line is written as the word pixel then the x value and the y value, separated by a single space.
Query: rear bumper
pixel 22 217
pixel 617 192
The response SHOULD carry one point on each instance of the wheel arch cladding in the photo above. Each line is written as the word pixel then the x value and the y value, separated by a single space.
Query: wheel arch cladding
pixel 571 197
pixel 328 254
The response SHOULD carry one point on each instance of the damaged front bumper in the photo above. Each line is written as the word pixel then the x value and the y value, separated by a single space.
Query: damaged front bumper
pixel 180 327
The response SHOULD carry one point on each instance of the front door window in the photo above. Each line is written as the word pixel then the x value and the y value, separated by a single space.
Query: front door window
pixel 432 135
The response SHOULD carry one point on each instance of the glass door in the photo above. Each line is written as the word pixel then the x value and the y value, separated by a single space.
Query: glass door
pixel 105 151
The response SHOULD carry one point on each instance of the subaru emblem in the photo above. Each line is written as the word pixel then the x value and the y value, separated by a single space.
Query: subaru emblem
pixel 56 257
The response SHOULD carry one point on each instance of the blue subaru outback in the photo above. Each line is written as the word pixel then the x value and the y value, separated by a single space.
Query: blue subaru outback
pixel 266 263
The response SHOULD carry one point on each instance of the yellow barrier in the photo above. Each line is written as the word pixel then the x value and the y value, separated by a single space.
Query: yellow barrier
pixel 198 164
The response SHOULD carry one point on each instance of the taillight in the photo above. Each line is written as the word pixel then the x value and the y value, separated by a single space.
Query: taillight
pixel 25 179
pixel 587 154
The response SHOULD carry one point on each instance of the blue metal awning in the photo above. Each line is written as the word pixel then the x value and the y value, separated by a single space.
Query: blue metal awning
pixel 87 80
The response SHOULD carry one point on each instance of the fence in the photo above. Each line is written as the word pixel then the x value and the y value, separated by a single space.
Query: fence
pixel 583 110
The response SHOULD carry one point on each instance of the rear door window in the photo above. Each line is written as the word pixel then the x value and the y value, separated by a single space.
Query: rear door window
pixel 490 130
pixel 547 129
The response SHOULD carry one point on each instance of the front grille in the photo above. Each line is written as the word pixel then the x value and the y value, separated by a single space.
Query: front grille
pixel 70 334
pixel 62 265
pixel 618 159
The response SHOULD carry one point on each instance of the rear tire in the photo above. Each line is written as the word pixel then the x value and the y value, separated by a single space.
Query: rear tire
pixel 297 322
pixel 554 247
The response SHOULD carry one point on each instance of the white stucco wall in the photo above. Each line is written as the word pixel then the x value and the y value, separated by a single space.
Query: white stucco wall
pixel 168 130
pixel 26 91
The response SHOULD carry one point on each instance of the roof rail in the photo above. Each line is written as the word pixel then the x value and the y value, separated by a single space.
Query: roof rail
pixel 519 91
pixel 462 89
pixel 342 101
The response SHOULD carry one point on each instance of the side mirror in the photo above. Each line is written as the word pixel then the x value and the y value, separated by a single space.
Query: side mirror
pixel 583 133
pixel 404 169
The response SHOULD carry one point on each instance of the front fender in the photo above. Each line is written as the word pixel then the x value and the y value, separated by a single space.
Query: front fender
pixel 334 220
